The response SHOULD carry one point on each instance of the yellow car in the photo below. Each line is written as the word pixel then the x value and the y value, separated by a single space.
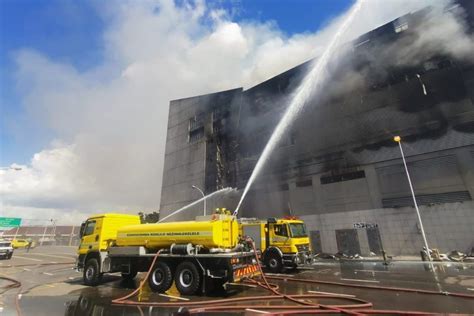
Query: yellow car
pixel 19 243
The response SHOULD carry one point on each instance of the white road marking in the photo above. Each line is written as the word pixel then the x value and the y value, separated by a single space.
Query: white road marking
pixel 358 280
pixel 256 311
pixel 470 289
pixel 373 271
pixel 330 293
pixel 243 284
pixel 28 258
pixel 279 274
pixel 176 297
pixel 53 256
pixel 65 269
pixel 26 269
pixel 47 273
pixel 323 271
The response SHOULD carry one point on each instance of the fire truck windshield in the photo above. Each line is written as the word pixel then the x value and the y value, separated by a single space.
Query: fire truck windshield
pixel 298 230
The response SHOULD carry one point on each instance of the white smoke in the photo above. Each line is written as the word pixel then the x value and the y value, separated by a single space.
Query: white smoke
pixel 111 120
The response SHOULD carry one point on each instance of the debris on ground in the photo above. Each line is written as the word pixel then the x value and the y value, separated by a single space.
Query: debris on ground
pixel 455 256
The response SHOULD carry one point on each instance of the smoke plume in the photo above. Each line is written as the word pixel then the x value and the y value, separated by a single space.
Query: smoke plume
pixel 109 122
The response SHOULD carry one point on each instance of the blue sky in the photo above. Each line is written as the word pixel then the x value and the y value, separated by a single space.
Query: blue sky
pixel 66 31
pixel 86 85
pixel 71 32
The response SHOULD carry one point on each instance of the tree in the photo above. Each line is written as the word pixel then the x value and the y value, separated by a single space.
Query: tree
pixel 149 217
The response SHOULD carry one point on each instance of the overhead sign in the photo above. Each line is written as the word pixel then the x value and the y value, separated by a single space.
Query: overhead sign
pixel 365 225
pixel 10 222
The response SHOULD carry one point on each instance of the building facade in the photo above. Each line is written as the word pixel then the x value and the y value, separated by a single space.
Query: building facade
pixel 337 167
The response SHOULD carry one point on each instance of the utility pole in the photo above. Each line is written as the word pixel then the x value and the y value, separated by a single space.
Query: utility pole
pixel 16 233
pixel 54 230
pixel 44 234
pixel 70 237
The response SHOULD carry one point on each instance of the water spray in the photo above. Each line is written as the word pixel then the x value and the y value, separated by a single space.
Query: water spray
pixel 225 190
pixel 311 84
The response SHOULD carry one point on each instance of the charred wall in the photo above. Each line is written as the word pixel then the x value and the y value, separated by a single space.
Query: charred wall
pixel 199 146
pixel 374 94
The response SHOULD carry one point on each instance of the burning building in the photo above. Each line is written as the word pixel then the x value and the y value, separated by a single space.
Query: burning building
pixel 338 167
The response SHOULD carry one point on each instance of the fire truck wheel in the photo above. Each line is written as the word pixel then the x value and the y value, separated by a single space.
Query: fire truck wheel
pixel 92 275
pixel 187 278
pixel 273 262
pixel 160 278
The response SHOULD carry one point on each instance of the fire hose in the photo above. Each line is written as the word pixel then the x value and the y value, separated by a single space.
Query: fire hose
pixel 13 285
pixel 358 308
pixel 216 305
pixel 17 284
pixel 374 287
pixel 35 264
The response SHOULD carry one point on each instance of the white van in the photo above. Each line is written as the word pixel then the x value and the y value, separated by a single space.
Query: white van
pixel 6 249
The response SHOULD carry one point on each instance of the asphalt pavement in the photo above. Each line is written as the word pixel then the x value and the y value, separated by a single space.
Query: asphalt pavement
pixel 50 286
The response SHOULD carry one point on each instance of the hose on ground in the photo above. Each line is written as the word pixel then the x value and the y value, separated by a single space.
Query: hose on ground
pixel 14 284
pixel 220 304
pixel 35 264
pixel 358 306
pixel 373 287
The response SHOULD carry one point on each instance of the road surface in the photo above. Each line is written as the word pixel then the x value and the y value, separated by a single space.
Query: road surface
pixel 50 286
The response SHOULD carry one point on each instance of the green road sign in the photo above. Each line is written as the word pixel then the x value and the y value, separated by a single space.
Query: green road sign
pixel 10 222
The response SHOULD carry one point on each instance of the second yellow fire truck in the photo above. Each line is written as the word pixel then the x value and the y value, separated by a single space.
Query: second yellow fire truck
pixel 284 243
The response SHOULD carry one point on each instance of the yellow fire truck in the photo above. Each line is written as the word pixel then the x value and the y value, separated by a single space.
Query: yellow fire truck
pixel 196 255
pixel 284 243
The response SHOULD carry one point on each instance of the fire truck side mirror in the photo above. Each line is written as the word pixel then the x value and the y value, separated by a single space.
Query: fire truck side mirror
pixel 81 232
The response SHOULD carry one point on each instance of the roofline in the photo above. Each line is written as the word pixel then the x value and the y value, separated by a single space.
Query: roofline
pixel 208 94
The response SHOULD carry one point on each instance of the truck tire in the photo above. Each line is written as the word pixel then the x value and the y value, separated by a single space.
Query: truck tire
pixel 273 262
pixel 160 278
pixel 187 278
pixel 92 275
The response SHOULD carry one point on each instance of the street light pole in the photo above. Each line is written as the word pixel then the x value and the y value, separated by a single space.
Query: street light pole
pixel 54 231
pixel 203 195
pixel 399 141
pixel 44 234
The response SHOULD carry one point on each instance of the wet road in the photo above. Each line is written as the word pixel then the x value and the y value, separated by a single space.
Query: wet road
pixel 51 287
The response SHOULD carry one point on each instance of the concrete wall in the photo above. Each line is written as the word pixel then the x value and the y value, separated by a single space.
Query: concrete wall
pixel 188 161
pixel 184 161
pixel 448 227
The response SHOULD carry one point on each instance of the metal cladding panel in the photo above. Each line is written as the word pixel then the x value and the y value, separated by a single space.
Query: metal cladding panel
pixel 427 199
